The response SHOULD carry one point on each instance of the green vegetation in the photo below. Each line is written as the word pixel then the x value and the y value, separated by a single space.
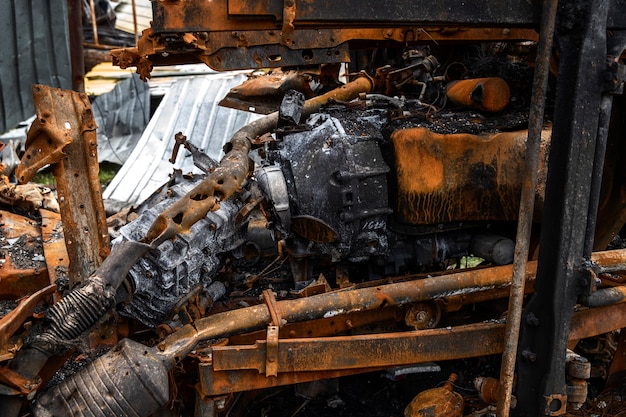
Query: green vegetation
pixel 106 174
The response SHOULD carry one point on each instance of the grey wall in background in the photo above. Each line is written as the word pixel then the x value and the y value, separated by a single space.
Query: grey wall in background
pixel 34 49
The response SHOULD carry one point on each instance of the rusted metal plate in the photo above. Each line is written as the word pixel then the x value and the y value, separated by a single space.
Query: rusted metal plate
pixel 54 250
pixel 462 177
pixel 22 271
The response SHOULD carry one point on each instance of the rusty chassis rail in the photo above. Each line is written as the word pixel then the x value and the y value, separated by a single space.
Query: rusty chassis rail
pixel 229 369
pixel 237 34
pixel 336 303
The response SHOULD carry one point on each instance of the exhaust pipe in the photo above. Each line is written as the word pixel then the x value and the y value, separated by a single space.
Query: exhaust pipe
pixel 129 380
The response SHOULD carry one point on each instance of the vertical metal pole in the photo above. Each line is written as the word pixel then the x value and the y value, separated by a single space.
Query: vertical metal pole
pixel 135 22
pixel 615 48
pixel 94 24
pixel 76 45
pixel 562 271
pixel 527 203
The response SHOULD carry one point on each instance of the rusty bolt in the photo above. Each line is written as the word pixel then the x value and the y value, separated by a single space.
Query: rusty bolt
pixel 421 316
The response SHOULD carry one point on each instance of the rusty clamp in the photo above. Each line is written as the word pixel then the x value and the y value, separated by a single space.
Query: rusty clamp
pixel 271 347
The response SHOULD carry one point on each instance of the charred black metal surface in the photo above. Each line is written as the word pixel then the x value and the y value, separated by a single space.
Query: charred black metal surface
pixel 561 273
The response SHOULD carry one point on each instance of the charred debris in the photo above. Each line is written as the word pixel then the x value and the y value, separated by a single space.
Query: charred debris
pixel 431 230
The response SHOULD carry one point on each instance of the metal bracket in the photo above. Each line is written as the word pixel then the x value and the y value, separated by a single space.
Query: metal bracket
pixel 271 350
pixel 289 15
pixel 555 404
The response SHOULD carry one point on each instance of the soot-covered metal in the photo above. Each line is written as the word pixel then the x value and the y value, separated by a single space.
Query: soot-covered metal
pixel 375 228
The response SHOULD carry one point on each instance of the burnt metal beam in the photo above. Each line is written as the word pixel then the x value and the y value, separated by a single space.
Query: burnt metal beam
pixel 237 368
pixel 64 135
pixel 238 34
pixel 201 16
pixel 563 271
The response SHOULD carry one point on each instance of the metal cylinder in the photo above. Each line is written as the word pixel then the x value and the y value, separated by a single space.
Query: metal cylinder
pixel 128 381
pixel 488 94
pixel 494 248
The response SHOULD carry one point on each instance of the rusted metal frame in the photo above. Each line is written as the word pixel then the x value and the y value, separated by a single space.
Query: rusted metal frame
pixel 363 351
pixel 348 13
pixel 271 357
pixel 339 303
pixel 229 369
pixel 135 30
pixel 527 203
pixel 64 135
pixel 561 273
pixel 306 38
pixel 262 48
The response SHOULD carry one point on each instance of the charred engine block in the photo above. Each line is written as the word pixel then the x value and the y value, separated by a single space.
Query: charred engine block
pixel 354 189
pixel 351 185
pixel 185 264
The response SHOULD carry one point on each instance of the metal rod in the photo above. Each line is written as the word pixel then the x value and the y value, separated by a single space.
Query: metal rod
pixel 339 303
pixel 135 22
pixel 77 58
pixel 527 202
pixel 94 24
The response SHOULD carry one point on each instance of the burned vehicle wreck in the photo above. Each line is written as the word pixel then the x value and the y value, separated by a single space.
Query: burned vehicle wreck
pixel 451 200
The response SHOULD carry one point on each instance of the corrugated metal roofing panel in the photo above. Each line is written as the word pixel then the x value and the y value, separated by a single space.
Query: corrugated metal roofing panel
pixel 121 116
pixel 191 107
pixel 124 13
pixel 35 49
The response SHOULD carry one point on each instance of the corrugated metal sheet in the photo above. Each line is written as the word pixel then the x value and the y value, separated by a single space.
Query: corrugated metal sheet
pixel 35 49
pixel 124 13
pixel 121 115
pixel 191 107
